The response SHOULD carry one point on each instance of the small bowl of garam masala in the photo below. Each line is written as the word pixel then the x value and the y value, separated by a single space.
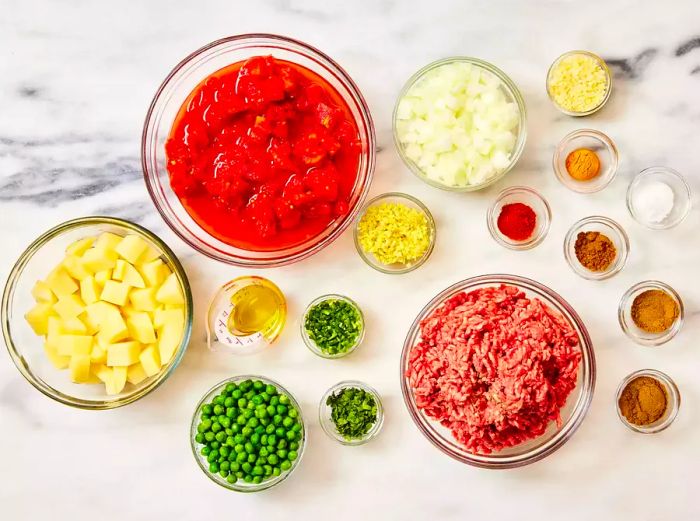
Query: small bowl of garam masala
pixel 596 247
pixel 585 161
pixel 651 313
pixel 647 401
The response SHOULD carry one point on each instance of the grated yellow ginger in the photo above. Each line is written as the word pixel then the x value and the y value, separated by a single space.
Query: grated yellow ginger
pixel 394 233
pixel 578 83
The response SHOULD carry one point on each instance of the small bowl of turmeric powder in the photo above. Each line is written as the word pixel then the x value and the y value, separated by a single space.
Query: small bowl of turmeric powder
pixel 647 401
pixel 585 161
pixel 596 247
pixel 651 313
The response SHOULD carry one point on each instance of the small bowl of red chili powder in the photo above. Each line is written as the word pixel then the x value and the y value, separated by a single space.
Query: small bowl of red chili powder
pixel 519 218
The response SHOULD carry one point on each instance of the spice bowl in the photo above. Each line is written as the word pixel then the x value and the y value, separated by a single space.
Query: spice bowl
pixel 529 197
pixel 586 54
pixel 410 202
pixel 597 142
pixel 624 314
pixel 606 227
pixel 306 334
pixel 326 420
pixel 673 397
pixel 640 193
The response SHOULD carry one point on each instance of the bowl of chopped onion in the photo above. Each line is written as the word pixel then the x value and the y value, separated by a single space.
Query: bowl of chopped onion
pixel 459 124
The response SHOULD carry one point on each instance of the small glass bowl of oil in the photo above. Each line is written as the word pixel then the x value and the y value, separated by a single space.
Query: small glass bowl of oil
pixel 245 316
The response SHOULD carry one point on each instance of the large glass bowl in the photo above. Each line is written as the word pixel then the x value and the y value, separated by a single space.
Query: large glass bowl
pixel 167 102
pixel 572 413
pixel 241 486
pixel 511 92
pixel 26 348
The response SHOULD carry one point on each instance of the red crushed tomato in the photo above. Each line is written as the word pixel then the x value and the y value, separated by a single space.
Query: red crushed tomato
pixel 264 154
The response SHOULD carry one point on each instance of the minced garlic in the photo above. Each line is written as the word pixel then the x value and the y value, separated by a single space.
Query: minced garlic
pixel 578 83
pixel 394 233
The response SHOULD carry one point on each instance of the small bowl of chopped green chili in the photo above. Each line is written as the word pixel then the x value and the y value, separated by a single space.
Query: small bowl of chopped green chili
pixel 332 326
pixel 351 412
pixel 248 433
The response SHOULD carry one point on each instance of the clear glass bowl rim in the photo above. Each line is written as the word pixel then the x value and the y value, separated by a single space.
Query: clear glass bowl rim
pixel 376 428
pixel 431 225
pixel 532 241
pixel 310 343
pixel 583 402
pixel 666 335
pixel 674 398
pixel 283 258
pixel 618 264
pixel 653 170
pixel 597 134
pixel 16 273
pixel 237 487
pixel 608 78
pixel 516 95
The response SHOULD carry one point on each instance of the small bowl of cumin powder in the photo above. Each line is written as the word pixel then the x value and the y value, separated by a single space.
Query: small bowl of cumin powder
pixel 651 313
pixel 596 247
pixel 648 401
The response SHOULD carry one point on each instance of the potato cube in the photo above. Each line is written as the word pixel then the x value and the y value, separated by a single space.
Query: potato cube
pixel 69 306
pixel 119 269
pixel 98 354
pixel 131 248
pixel 79 367
pixel 100 312
pixel 118 380
pixel 74 267
pixel 102 372
pixel 168 341
pixel 123 353
pixel 95 260
pixel 113 330
pixel 58 361
pixel 103 276
pixel 152 253
pixel 38 317
pixel 42 292
pixel 126 273
pixel 170 291
pixel 143 299
pixel 141 327
pixel 150 360
pixel 107 241
pixel 61 283
pixel 89 290
pixel 135 374
pixel 154 272
pixel 92 378
pixel 74 326
pixel 70 345
pixel 163 316
pixel 115 292
pixel 80 246
pixel 54 330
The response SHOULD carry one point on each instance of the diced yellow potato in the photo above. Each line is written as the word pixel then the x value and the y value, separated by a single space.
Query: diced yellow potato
pixel 74 267
pixel 112 331
pixel 69 306
pixel 42 292
pixel 150 360
pixel 128 274
pixel 70 345
pixel 95 259
pixel 54 330
pixel 151 254
pixel 123 353
pixel 116 384
pixel 170 291
pixel 119 269
pixel 99 312
pixel 131 248
pixel 98 354
pixel 92 378
pixel 80 246
pixel 141 327
pixel 107 241
pixel 74 326
pixel 102 372
pixel 115 292
pixel 79 367
pixel 164 316
pixel 135 374
pixel 58 361
pixel 103 276
pixel 143 299
pixel 154 272
pixel 170 334
pixel 89 290
pixel 38 317
pixel 61 283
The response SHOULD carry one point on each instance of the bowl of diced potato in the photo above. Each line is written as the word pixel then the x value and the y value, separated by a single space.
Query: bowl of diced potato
pixel 97 312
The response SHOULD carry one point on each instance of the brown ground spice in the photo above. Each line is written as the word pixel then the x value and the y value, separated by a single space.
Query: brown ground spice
pixel 643 401
pixel 654 311
pixel 594 250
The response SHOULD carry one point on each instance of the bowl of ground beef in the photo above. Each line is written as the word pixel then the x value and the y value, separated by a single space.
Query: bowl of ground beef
pixel 498 371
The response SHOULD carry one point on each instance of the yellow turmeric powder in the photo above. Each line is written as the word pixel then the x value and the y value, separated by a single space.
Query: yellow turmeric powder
pixel 583 164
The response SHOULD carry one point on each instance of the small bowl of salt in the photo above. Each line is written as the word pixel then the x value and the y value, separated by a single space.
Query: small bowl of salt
pixel 658 198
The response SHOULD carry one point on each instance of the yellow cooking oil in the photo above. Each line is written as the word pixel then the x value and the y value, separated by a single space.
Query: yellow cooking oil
pixel 258 306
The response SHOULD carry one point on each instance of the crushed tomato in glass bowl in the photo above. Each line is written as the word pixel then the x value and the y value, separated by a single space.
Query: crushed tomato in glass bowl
pixel 258 150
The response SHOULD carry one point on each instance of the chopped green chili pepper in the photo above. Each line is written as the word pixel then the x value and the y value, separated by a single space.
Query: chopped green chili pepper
pixel 353 411
pixel 333 325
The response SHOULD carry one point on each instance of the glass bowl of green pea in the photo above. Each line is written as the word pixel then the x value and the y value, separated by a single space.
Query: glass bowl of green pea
pixel 248 433
pixel 351 412
pixel 332 326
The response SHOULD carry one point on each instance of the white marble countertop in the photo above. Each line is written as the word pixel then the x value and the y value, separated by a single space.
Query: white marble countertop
pixel 75 81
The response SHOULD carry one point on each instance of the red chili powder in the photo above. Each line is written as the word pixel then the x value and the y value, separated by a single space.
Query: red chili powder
pixel 517 221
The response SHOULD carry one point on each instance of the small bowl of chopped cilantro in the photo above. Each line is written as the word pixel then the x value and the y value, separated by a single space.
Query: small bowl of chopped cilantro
pixel 351 412
pixel 394 233
pixel 248 433
pixel 332 326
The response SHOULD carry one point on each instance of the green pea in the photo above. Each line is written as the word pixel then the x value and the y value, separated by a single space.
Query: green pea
pixel 255 438
pixel 267 469
pixel 242 403
pixel 205 417
pixel 235 466
pixel 221 437
pixel 274 400
pixel 236 394
pixel 280 432
pixel 294 446
pixel 236 428
pixel 207 409
pixel 259 429
pixel 199 438
pixel 296 427
pixel 257 399
pixel 239 438
pixel 231 412
pixel 224 451
pixel 272 459
pixel 214 468
pixel 282 409
pixel 223 473
pixel 225 465
pixel 270 389
pixel 215 444
pixel 204 426
pixel 292 455
pixel 270 429
pixel 231 478
pixel 219 409
pixel 246 431
pixel 247 467
pixel 260 413
pixel 265 421
pixel 230 387
pixel 209 436
pixel 248 478
pixel 230 441
pixel 257 385
pixel 245 385
pixel 282 444
pixel 252 458
pixel 284 399
pixel 251 406
pixel 213 456
pixel 282 454
pixel 277 419
pixel 249 394
pixel 228 402
pixel 205 451
pixel 271 440
pixel 241 457
pixel 218 400
pixel 253 422
pixel 287 422
pixel 248 414
pixel 293 413
pixel 257 471
pixel 285 465
pixel 265 397
pixel 216 427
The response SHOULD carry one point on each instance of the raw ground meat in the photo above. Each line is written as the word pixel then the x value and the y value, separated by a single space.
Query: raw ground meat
pixel 494 366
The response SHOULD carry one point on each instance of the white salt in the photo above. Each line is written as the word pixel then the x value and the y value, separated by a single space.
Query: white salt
pixel 653 201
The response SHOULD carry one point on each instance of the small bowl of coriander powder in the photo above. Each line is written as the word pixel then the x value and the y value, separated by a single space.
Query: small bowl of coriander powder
pixel 647 401
pixel 651 313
